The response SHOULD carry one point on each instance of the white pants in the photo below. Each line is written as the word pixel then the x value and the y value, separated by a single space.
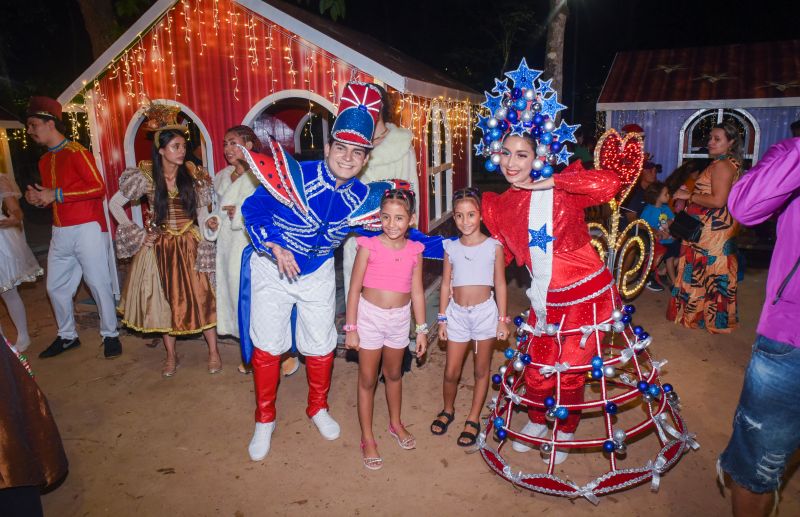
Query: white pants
pixel 349 251
pixel 75 252
pixel 273 296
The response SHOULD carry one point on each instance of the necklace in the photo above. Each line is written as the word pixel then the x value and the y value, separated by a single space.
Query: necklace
pixel 173 194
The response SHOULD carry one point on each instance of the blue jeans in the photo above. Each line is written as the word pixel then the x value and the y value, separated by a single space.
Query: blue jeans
pixel 766 427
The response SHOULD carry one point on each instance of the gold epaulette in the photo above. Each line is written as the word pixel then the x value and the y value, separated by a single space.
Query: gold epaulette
pixel 146 166
pixel 75 147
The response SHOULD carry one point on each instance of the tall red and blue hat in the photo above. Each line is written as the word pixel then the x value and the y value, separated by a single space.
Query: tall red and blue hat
pixel 359 108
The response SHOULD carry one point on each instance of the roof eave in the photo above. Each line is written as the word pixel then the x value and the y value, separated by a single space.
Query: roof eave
pixel 775 102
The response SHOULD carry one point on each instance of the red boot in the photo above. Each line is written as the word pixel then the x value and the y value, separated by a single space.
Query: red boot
pixel 266 373
pixel 318 371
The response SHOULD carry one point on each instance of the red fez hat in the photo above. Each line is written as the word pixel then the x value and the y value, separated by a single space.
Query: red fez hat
pixel 40 106
pixel 633 128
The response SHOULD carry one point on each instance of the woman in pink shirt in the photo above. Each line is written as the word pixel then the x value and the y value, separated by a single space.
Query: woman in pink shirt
pixel 386 281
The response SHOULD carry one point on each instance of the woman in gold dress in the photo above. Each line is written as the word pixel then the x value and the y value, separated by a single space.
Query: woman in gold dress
pixel 169 286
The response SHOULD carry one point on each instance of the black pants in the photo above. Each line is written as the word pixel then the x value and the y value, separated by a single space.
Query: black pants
pixel 20 501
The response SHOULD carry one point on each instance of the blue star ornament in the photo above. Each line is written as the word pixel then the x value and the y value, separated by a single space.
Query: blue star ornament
pixel 551 106
pixel 523 76
pixel 500 86
pixel 479 148
pixel 566 133
pixel 492 102
pixel 544 87
pixel 563 155
pixel 482 124
pixel 539 238
pixel 518 129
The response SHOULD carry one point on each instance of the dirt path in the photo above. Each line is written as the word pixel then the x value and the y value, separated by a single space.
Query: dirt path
pixel 142 445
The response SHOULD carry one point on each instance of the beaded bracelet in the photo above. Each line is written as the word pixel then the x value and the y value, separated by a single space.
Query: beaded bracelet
pixel 59 193
pixel 421 328
pixel 504 319
pixel 441 318
pixel 350 327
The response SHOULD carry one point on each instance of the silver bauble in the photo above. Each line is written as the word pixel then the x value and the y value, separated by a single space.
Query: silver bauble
pixel 492 122
pixel 619 435
pixel 550 415
pixel 541 150
pixel 551 329
pixel 617 315
pixel 620 448
pixel 672 396
pixel 496 146
pixel 548 126
pixel 647 397
pixel 510 380
pixel 503 369
pixel 506 102
pixel 552 159
pixel 618 327
pixel 536 107
pixel 518 365
pixel 495 158
pixel 537 164
pixel 526 116
pixel 530 94
pixel 609 371
pixel 547 448
pixel 501 113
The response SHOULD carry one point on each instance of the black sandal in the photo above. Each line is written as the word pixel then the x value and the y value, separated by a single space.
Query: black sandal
pixel 466 435
pixel 441 427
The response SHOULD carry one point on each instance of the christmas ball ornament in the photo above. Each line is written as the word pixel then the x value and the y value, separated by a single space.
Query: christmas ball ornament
pixel 541 150
pixel 501 434
pixel 597 373
pixel 527 117
pixel 637 330
pixel 516 93
pixel 617 315
pixel 496 146
pixel 512 116
pixel 611 408
pixel 618 326
pixel 518 321
pixel 547 171
pixel 549 402
pixel 642 386
pixel 609 371
pixel 597 362
pixel 620 448
pixel 529 94
pixel 562 413
pixel 550 414
pixel 537 107
pixel 517 365
pixel 510 380
pixel 496 379
pixel 489 166
pixel 536 132
pixel 535 175
pixel 609 446
pixel 629 309
pixel 551 329
pixel 548 125
pixel 537 164
pixel 626 319
pixel 501 113
pixel 619 435
pixel 647 397
pixel 495 133
pixel 672 396
pixel 495 159
pixel 503 125
pixel 499 422
pixel 492 122
pixel 667 388
pixel 509 353
pixel 487 139
pixel 546 448
pixel 503 369
pixel 538 119
pixel 546 138
pixel 556 146
pixel 520 104
pixel 526 359
pixel 654 390
pixel 643 336
pixel 552 159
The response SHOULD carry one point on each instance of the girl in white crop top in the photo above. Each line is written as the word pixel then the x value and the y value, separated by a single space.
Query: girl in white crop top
pixel 473 265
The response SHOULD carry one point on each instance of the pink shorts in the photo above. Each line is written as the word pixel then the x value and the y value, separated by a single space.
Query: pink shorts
pixel 379 327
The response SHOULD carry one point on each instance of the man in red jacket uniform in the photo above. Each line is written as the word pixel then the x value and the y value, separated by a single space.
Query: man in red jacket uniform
pixel 72 185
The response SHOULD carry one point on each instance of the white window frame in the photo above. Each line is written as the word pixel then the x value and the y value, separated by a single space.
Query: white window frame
pixel 440 175
pixel 694 119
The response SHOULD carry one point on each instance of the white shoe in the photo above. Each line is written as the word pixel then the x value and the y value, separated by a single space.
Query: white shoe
pixel 561 455
pixel 259 445
pixel 531 429
pixel 327 426
pixel 22 343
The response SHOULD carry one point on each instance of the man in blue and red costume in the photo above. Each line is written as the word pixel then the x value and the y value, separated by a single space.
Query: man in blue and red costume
pixel 79 247
pixel 296 220
pixel 540 222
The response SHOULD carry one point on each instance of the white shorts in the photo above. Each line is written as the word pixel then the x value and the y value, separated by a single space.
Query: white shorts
pixel 476 322
pixel 273 296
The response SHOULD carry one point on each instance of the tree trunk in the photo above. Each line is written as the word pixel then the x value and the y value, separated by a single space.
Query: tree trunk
pixel 100 24
pixel 554 56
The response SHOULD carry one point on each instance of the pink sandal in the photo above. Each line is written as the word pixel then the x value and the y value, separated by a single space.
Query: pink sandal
pixel 407 444
pixel 372 463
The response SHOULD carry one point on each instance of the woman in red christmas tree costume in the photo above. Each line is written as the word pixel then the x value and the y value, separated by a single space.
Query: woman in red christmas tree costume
pixel 540 222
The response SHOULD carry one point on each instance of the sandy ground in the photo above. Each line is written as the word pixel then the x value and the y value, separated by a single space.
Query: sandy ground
pixel 139 444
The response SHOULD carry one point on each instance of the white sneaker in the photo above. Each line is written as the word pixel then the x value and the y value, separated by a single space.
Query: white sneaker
pixel 22 343
pixel 531 429
pixel 561 455
pixel 327 426
pixel 259 445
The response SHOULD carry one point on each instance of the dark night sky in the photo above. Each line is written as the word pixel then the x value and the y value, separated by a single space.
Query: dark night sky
pixel 43 44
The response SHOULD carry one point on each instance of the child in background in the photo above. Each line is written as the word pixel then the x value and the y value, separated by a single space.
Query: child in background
pixel 386 281
pixel 658 215
pixel 473 265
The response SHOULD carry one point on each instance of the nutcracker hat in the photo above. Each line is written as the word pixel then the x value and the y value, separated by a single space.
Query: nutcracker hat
pixel 44 107
pixel 359 108
pixel 530 107
pixel 162 117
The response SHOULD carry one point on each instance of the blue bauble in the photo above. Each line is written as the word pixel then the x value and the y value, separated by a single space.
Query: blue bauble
pixel 509 353
pixel 628 309
pixel 654 390
pixel 546 138
pixel 526 359
pixel 496 379
pixel 611 408
pixel 609 446
pixel 535 175
pixel 562 413
pixel 644 335
pixel 555 147
pixel 626 319
pixel 597 362
pixel 642 386
pixel 512 116
pixel 549 402
pixel 487 138
pixel 502 433
pixel 597 373
pixel 547 171
pixel 538 119
pixel 637 330
pixel 536 132
pixel 495 133
pixel 527 124
pixel 516 93
pixel 499 422
pixel 518 321
pixel 520 104
pixel 667 388
pixel 490 166
pixel 503 125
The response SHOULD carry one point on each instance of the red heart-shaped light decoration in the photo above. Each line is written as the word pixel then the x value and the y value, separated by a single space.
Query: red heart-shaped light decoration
pixel 621 155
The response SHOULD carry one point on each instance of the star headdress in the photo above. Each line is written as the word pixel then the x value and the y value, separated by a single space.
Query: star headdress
pixel 528 107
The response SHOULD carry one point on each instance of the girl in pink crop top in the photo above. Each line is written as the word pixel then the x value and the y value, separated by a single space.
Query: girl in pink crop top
pixel 385 283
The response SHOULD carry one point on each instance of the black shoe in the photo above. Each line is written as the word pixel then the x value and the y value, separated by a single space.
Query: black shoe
pixel 59 345
pixel 112 348
pixel 654 286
